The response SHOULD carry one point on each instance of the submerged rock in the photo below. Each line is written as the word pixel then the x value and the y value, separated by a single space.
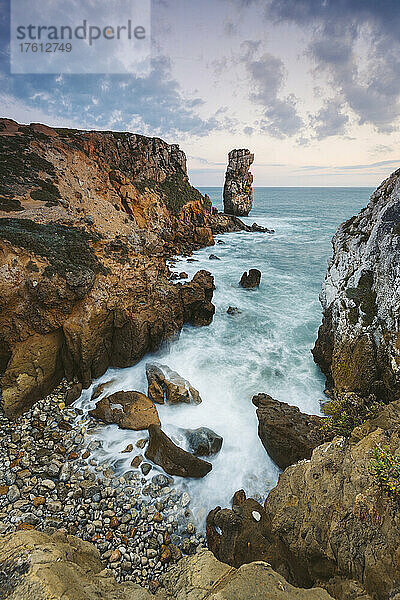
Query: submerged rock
pixel 203 441
pixel 238 190
pixel 214 257
pixel 174 460
pixel 251 279
pixel 128 410
pixel 166 385
pixel 260 229
pixel 234 310
pixel 287 434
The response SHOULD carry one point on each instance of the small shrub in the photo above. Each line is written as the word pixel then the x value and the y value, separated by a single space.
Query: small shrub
pixel 347 412
pixel 385 466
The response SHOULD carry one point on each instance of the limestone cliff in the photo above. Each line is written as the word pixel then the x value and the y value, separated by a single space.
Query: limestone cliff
pixel 358 345
pixel 87 221
pixel 238 191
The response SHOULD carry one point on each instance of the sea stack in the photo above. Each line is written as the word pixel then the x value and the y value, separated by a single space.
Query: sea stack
pixel 238 190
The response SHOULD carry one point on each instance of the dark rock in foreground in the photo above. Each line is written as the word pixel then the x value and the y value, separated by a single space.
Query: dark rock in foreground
pixel 233 310
pixel 203 441
pixel 174 460
pixel 128 410
pixel 251 279
pixel 239 535
pixel 287 434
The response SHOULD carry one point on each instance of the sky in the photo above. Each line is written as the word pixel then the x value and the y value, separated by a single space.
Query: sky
pixel 312 87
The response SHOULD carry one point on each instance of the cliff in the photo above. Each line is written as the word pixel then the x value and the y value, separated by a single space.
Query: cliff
pixel 358 346
pixel 87 221
pixel 238 190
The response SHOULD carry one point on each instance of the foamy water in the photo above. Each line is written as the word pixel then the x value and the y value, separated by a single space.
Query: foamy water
pixel 265 348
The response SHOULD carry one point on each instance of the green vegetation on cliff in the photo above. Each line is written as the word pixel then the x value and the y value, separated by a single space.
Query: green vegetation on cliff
pixel 346 412
pixel 175 192
pixel 67 249
pixel 386 467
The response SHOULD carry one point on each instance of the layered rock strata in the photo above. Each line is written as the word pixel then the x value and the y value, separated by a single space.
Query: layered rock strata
pixel 238 190
pixel 87 221
pixel 358 346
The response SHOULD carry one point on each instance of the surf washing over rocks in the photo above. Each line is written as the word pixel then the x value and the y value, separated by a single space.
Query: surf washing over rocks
pixel 262 343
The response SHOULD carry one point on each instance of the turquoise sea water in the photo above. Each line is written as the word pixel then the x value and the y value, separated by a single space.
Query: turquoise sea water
pixel 265 348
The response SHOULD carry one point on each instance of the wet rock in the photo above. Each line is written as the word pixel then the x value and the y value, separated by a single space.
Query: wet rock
pixel 233 310
pixel 100 388
pixel 73 394
pixel 251 279
pixel 174 460
pixel 196 299
pixel 258 228
pixel 203 441
pixel 167 385
pixel 214 257
pixel 238 190
pixel 287 434
pixel 128 410
pixel 183 275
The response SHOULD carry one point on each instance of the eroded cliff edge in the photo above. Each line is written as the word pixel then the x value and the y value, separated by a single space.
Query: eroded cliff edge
pixel 87 222
pixel 358 346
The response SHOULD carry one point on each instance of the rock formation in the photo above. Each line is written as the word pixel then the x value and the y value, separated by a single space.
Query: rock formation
pixel 173 459
pixel 238 190
pixel 128 410
pixel 203 441
pixel 252 279
pixel 358 346
pixel 87 221
pixel 37 566
pixel 167 385
pixel 287 434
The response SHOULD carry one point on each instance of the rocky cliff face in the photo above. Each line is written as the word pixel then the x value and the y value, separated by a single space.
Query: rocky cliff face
pixel 238 191
pixel 358 345
pixel 87 221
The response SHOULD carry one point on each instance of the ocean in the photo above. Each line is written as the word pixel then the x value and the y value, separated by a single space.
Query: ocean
pixel 265 348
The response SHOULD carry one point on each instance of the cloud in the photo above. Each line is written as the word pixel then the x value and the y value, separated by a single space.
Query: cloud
pixel 339 27
pixel 153 104
pixel 330 120
pixel 267 75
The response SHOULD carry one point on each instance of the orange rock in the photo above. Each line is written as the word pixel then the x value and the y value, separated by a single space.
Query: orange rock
pixel 138 411
pixel 114 522
pixel 73 455
pixel 38 501
pixel 109 536
pixel 25 526
pixel 14 463
pixel 4 490
pixel 136 461
pixel 132 532
pixel 165 556
pixel 157 517
pixel 86 454
pixel 96 537
pixel 115 556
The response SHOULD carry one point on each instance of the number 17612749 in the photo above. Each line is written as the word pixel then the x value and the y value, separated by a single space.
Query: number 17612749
pixel 45 47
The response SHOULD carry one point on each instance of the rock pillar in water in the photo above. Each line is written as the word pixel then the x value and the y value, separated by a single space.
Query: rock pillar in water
pixel 238 190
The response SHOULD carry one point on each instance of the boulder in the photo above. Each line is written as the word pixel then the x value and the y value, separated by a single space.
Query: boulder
pixel 38 566
pixel 196 298
pixel 251 279
pixel 128 410
pixel 174 460
pixel 214 257
pixel 238 189
pixel 203 441
pixel 165 385
pixel 73 394
pixel 203 577
pixel 287 434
